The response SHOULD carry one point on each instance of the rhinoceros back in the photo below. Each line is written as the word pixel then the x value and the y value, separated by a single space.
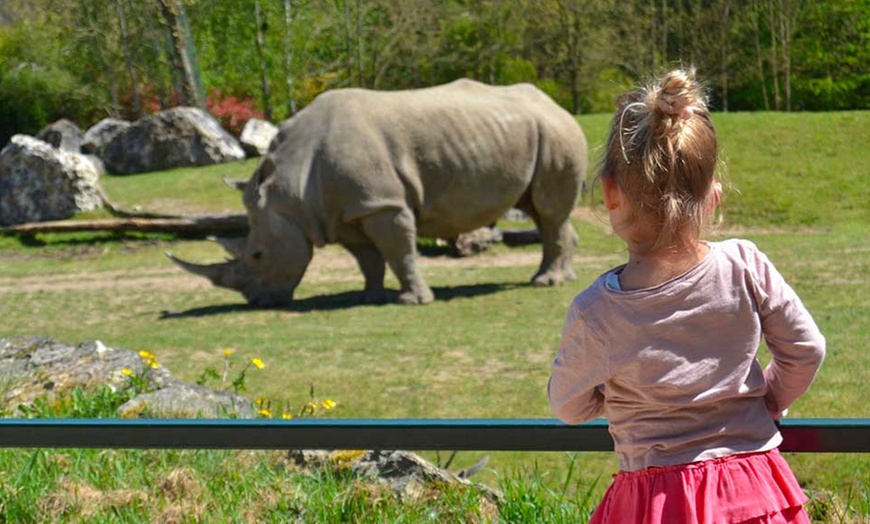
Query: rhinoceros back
pixel 457 155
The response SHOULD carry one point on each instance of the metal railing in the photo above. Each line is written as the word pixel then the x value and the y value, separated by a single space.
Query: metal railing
pixel 799 435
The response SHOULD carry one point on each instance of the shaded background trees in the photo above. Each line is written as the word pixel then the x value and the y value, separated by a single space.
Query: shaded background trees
pixel 87 59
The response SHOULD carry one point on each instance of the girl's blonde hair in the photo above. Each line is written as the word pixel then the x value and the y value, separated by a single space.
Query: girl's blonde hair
pixel 662 153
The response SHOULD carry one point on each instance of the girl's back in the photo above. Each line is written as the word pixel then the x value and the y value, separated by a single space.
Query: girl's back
pixel 665 346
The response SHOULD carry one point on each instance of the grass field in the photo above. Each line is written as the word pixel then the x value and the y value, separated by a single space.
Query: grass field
pixel 483 348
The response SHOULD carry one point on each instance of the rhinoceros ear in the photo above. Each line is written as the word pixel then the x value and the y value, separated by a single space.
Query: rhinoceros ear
pixel 265 172
pixel 263 177
pixel 235 184
pixel 235 246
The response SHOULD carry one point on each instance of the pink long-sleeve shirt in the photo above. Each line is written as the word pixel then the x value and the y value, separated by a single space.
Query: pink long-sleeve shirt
pixel 673 367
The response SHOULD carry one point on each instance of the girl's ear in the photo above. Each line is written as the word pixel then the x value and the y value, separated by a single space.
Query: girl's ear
pixel 715 197
pixel 612 193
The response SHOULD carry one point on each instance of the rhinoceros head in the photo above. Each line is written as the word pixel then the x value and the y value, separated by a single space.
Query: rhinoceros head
pixel 266 266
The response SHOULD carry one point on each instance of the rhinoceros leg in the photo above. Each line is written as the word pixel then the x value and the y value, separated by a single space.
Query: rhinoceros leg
pixel 559 240
pixel 394 233
pixel 371 263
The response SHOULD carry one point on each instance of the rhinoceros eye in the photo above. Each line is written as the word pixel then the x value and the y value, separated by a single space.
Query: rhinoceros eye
pixel 257 255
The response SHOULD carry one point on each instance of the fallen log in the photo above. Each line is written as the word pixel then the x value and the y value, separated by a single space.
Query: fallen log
pixel 201 226
pixel 198 226
pixel 520 236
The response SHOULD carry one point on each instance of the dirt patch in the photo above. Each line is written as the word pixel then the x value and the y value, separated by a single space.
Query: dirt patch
pixel 168 279
pixel 332 264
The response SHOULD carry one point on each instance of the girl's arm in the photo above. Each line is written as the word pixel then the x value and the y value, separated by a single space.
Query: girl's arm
pixel 794 339
pixel 577 375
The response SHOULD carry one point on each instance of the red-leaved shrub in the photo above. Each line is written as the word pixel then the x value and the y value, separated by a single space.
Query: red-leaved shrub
pixel 232 112
pixel 149 101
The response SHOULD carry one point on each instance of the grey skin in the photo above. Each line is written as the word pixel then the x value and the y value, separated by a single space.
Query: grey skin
pixel 372 170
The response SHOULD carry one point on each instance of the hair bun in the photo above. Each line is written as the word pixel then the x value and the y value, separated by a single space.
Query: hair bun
pixel 677 94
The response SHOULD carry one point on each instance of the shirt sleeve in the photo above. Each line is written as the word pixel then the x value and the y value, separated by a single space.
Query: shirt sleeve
pixel 577 375
pixel 794 339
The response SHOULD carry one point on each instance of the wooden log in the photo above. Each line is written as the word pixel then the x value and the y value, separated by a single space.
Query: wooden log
pixel 191 226
pixel 520 236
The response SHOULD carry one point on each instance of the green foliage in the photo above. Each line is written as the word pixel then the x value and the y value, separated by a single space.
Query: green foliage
pixel 99 402
pixel 531 497
pixel 79 63
pixel 34 93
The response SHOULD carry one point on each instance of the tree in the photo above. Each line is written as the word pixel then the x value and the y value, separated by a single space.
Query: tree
pixel 184 51
pixel 288 57
pixel 261 25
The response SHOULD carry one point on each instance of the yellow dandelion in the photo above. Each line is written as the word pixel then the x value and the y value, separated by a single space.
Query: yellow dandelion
pixel 327 404
pixel 147 355
pixel 261 400
pixel 258 363
pixel 152 364
pixel 286 416
pixel 127 371
pixel 227 352
pixel 265 413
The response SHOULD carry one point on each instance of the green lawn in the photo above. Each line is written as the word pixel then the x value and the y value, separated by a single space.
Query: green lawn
pixel 483 348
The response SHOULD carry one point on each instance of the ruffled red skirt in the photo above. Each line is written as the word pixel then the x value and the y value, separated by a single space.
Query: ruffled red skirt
pixel 757 488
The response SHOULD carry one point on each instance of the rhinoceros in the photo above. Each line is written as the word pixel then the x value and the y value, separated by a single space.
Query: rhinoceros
pixel 372 170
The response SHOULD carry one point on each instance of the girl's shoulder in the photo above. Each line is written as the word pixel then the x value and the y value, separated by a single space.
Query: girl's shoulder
pixel 738 249
pixel 593 295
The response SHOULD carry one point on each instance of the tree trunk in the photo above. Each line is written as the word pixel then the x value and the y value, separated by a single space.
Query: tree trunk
pixel 94 41
pixel 288 58
pixel 664 31
pixel 182 41
pixel 652 35
pixel 723 48
pixel 359 43
pixel 157 49
pixel 774 64
pixel 128 60
pixel 347 52
pixel 759 61
pixel 785 41
pixel 261 54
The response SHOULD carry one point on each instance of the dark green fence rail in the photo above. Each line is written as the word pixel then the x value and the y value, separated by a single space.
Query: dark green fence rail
pixel 800 435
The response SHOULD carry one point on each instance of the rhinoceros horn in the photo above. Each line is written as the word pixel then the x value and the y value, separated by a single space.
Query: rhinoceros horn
pixel 222 274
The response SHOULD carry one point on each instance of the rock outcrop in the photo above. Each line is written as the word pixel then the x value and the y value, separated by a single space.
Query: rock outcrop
pixel 100 134
pixel 39 182
pixel 62 134
pixel 34 367
pixel 178 137
pixel 256 136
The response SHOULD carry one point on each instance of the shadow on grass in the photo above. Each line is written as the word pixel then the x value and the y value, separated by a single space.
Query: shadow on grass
pixel 346 300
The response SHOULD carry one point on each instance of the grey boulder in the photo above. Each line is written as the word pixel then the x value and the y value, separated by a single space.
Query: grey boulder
pixel 39 182
pixel 62 134
pixel 177 137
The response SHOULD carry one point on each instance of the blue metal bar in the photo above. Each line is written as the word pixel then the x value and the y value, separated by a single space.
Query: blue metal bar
pixel 803 435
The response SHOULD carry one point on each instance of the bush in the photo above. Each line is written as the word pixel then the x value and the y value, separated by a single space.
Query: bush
pixel 150 101
pixel 828 94
pixel 32 97
pixel 232 112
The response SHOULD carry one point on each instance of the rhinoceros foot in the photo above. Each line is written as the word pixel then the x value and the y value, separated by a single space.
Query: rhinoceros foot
pixel 420 297
pixel 549 278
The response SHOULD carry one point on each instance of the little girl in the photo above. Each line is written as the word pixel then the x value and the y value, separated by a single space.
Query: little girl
pixel 665 346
